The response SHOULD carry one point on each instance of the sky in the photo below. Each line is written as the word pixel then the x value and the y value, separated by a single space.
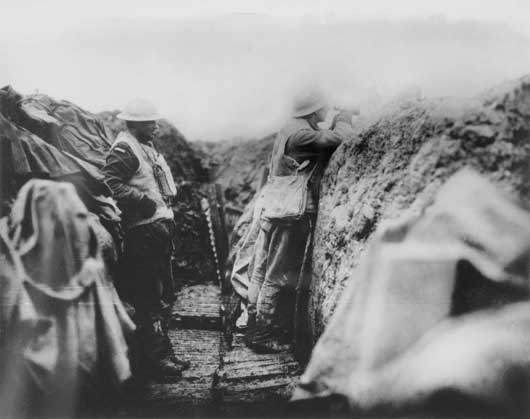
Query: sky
pixel 224 69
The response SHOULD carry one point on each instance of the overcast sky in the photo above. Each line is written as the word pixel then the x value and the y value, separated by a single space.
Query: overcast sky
pixel 219 72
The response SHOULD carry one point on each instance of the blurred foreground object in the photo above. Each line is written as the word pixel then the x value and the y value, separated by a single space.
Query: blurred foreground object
pixel 439 318
pixel 63 325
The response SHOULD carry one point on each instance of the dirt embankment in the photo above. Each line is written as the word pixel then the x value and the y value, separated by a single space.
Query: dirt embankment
pixel 400 159
pixel 237 166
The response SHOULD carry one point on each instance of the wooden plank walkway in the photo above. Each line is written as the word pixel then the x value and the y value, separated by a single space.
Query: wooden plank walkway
pixel 247 377
pixel 201 348
pixel 198 307
pixel 222 380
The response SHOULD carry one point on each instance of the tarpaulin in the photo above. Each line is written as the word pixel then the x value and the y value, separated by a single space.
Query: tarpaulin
pixel 44 138
pixel 30 155
pixel 67 127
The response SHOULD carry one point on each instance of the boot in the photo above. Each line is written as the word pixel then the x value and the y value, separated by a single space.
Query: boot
pixel 166 367
pixel 269 346
pixel 261 339
pixel 183 364
pixel 157 353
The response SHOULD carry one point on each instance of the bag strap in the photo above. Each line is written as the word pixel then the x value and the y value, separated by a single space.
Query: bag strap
pixel 152 160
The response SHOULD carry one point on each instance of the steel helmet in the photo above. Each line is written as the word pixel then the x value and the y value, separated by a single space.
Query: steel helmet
pixel 139 110
pixel 307 102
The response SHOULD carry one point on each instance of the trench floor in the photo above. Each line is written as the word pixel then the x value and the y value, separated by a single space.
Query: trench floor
pixel 224 380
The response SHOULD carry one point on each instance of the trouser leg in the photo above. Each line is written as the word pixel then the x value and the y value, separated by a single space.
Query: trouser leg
pixel 257 276
pixel 148 258
pixel 169 286
pixel 284 257
pixel 302 330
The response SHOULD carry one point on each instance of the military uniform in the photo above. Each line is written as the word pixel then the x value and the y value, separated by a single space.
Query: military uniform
pixel 281 245
pixel 142 184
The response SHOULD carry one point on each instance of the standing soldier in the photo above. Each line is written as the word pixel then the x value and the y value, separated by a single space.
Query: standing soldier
pixel 298 158
pixel 142 184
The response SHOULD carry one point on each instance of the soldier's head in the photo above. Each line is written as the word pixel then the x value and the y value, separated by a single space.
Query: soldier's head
pixel 140 117
pixel 144 131
pixel 310 104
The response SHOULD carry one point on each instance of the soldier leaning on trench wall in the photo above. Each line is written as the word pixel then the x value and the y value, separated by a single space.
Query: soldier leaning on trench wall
pixel 290 200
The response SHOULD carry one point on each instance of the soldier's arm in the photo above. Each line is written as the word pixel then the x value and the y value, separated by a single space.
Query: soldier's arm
pixel 121 164
pixel 326 139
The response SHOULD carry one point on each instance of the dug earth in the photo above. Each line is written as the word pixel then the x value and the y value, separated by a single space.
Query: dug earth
pixel 404 155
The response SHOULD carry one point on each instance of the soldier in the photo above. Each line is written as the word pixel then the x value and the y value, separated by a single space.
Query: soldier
pixel 301 149
pixel 143 186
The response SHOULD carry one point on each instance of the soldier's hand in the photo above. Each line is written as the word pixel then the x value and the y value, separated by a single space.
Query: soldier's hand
pixel 147 207
pixel 344 116
pixel 157 326
pixel 347 115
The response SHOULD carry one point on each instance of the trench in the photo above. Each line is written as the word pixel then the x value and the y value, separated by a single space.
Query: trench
pixel 225 378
